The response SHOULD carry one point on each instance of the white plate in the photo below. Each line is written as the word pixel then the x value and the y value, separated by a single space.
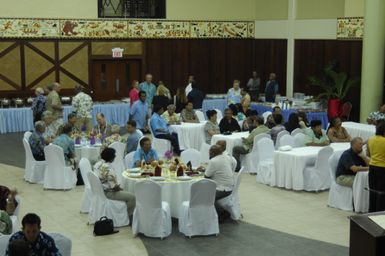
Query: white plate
pixel 135 175
pixel 134 170
pixel 97 145
pixel 157 178
pixel 78 145
pixel 184 178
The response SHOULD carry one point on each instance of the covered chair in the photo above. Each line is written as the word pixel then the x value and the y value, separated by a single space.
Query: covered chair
pixel 287 140
pixel 346 109
pixel 279 136
pixel 266 115
pixel 161 146
pixel 340 197
pixel 102 206
pixel 219 115
pixel 296 131
pixel 26 135
pixel 118 163
pixel 265 167
pixel 198 216
pixel 299 140
pixel 85 168
pixel 250 160
pixel 317 177
pixel 129 159
pixel 200 115
pixel 192 155
pixel 152 216
pixel 205 148
pixel 57 175
pixel 34 170
pixel 231 203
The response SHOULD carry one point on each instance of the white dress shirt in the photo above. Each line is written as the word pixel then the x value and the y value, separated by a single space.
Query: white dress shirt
pixel 188 89
pixel 220 171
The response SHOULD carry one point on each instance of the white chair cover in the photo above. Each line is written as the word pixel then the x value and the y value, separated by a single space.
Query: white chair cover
pixel 15 217
pixel 219 115
pixel 57 175
pixel 317 177
pixel 279 136
pixel 160 145
pixel 287 140
pixel 139 132
pixel 128 160
pixel 118 163
pixel 205 148
pixel 4 239
pixel 198 216
pixel 340 197
pixel 250 160
pixel 192 155
pixel 102 206
pixel 152 217
pixel 27 134
pixel 231 203
pixel 299 139
pixel 63 243
pixel 266 115
pixel 34 170
pixel 360 194
pixel 200 115
pixel 85 168
pixel 296 131
pixel 138 147
pixel 265 167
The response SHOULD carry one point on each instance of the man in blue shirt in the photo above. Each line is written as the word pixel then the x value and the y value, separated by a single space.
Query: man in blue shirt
pixel 145 152
pixel 36 141
pixel 196 96
pixel 133 137
pixel 161 130
pixel 139 112
pixel 271 88
pixel 149 88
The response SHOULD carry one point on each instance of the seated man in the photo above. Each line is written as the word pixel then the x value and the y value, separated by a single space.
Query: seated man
pixel 161 130
pixel 51 129
pixel 219 170
pixel 278 127
pixel 71 120
pixel 102 129
pixel 170 116
pixel 249 141
pixel 144 153
pixel 39 242
pixel 67 144
pixel 351 162
pixel 251 121
pixel 377 115
pixel 36 141
pixel 222 144
pixel 139 112
pixel 133 137
pixel 114 137
pixel 228 123
pixel 314 136
pixel 188 114
pixel 107 177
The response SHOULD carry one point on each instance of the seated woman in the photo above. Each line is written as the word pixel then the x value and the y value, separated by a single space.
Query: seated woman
pixel 337 133
pixel 114 137
pixel 65 141
pixel 270 121
pixel 241 115
pixel 162 97
pixel 170 116
pixel 234 94
pixel 314 135
pixel 228 124
pixel 292 123
pixel 36 141
pixel 144 153
pixel 278 118
pixel 303 122
pixel 106 174
pixel 251 120
pixel 211 127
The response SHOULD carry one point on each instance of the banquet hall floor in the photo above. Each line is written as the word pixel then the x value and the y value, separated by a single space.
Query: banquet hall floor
pixel 276 221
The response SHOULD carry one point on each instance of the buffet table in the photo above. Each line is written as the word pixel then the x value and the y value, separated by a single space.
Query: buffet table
pixel 21 119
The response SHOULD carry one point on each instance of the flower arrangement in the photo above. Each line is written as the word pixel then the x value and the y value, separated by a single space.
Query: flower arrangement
pixel 168 155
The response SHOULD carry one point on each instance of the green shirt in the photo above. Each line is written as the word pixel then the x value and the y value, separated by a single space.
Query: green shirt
pixel 53 99
pixel 311 138
pixel 249 141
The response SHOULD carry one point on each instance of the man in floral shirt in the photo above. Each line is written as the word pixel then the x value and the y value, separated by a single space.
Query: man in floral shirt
pixel 38 104
pixel 36 141
pixel 376 116
pixel 40 244
pixel 82 106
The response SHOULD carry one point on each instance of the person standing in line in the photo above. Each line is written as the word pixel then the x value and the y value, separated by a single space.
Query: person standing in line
pixel 38 104
pixel 148 87
pixel 271 89
pixel 134 92
pixel 53 104
pixel 253 85
pixel 82 106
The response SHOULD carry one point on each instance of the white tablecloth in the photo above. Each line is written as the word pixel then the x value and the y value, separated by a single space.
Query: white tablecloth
pixel 173 191
pixel 289 165
pixel 360 195
pixel 190 135
pixel 365 131
pixel 232 140
pixel 92 153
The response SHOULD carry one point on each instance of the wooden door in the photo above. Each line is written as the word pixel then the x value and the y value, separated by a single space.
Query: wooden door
pixel 111 79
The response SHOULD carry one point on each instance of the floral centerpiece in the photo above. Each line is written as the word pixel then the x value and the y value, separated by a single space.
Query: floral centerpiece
pixel 168 155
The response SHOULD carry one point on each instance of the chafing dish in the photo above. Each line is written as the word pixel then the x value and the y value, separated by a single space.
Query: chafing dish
pixel 29 101
pixel 18 102
pixel 66 100
pixel 5 103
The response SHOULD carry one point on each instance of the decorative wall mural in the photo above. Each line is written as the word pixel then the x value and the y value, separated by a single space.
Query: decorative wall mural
pixel 350 28
pixel 110 29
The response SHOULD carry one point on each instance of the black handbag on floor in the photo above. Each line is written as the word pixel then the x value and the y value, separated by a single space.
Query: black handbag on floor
pixel 104 226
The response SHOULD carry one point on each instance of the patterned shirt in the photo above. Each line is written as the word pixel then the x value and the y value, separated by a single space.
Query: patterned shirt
pixel 150 90
pixel 36 142
pixel 38 105
pixel 82 105
pixel 53 99
pixel 43 246
pixel 51 131
pixel 211 126
pixel 106 175
pixel 171 119
pixel 67 144
pixel 188 115
pixel 377 115
pixel 103 130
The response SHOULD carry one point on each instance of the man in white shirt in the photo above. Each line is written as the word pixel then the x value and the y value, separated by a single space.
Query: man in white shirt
pixel 188 88
pixel 222 145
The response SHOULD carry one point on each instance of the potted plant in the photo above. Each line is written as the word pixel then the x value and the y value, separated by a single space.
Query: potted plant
pixel 335 86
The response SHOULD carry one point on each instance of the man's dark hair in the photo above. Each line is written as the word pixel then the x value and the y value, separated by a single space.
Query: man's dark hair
pixel 143 140
pixel 251 112
pixel 31 219
pixel 108 155
pixel 157 108
pixel 132 123
pixel 315 123
pixel 380 128
pixel 142 92
pixel 276 107
pixel 71 115
pixel 210 113
pixel 190 101
pixel 18 248
pixel 277 118
pixel 260 120
pixel 66 129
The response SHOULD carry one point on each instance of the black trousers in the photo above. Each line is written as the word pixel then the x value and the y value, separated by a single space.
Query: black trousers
pixel 39 157
pixel 376 182
pixel 173 138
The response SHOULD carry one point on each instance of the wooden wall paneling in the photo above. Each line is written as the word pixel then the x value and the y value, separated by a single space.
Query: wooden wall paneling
pixel 218 69
pixel 199 63
pixel 10 68
pixel 180 64
pixel 153 59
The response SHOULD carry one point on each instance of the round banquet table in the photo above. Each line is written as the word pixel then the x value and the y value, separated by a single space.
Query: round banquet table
pixel 232 140
pixel 173 191
pixel 91 152
pixel 365 131
pixel 190 135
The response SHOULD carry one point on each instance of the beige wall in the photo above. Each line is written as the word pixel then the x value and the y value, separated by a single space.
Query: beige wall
pixel 320 9
pixel 354 8
pixel 271 9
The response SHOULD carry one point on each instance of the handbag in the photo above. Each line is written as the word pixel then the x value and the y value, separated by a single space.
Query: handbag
pixel 104 226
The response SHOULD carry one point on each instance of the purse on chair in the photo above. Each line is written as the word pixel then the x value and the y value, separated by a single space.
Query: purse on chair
pixel 104 226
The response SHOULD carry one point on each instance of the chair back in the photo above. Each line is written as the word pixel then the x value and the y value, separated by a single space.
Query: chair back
pixel 200 115
pixel 54 156
pixel 296 131
pixel 118 163
pixel 323 157
pixel 202 193
pixel 346 109
pixel 265 149
pixel 333 163
pixel 138 147
pixel 139 132
pixel 265 115
pixel 4 240
pixel 238 181
pixel 258 137
pixel 63 243
pixel 299 140
pixel 279 136
pixel 148 195
pixel 27 134
pixel 205 148
pixel 28 154
pixel 85 167
pixel 219 115
pixel 192 155
pixel 287 140
pixel 128 159
pixel 96 186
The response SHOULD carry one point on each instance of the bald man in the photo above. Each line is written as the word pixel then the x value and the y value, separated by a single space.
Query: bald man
pixel 102 128
pixel 233 162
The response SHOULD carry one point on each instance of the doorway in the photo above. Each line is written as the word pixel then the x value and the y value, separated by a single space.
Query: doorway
pixel 111 79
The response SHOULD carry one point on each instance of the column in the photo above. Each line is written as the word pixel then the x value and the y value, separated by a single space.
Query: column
pixel 290 48
pixel 373 58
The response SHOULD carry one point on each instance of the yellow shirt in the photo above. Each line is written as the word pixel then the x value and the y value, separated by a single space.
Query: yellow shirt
pixel 376 146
